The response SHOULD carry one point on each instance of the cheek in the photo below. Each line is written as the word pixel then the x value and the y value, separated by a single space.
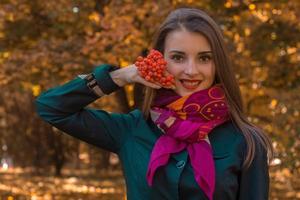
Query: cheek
pixel 172 68
pixel 209 71
pixel 213 70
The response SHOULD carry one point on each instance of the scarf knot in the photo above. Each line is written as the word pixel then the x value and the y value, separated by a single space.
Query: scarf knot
pixel 186 122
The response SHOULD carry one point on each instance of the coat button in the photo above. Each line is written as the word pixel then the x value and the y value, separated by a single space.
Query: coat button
pixel 180 164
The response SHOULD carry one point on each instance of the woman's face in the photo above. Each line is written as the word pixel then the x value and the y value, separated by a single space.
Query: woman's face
pixel 189 58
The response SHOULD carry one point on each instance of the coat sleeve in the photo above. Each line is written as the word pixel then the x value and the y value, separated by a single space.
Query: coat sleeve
pixel 64 108
pixel 254 181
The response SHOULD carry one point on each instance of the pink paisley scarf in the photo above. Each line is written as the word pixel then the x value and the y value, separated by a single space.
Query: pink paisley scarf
pixel 186 121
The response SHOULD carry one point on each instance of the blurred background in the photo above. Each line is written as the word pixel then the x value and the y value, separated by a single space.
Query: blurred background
pixel 47 43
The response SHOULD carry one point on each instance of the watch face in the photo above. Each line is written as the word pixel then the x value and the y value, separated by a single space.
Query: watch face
pixel 90 77
pixel 92 83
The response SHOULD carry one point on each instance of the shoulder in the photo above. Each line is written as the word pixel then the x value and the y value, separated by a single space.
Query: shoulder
pixel 136 114
pixel 133 117
pixel 226 134
pixel 226 138
pixel 117 121
pixel 235 140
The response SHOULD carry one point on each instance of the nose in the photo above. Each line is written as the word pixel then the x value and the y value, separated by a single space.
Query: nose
pixel 191 68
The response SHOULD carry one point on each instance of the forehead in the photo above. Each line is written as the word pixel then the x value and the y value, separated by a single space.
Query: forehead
pixel 186 41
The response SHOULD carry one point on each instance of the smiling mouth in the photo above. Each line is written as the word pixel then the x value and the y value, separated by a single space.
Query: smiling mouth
pixel 190 84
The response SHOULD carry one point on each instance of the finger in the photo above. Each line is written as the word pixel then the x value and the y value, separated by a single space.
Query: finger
pixel 152 85
pixel 165 86
pixel 170 87
pixel 166 73
pixel 149 84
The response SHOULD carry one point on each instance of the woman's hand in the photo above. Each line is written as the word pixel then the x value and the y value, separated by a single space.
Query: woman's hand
pixel 130 74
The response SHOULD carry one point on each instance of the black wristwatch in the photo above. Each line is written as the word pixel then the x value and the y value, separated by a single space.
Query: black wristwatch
pixel 104 85
pixel 93 84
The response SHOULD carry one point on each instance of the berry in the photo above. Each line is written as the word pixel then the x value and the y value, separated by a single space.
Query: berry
pixel 152 68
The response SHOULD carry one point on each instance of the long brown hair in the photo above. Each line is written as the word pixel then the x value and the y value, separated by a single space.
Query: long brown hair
pixel 195 20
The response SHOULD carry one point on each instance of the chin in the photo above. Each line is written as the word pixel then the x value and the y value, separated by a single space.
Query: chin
pixel 186 92
pixel 183 91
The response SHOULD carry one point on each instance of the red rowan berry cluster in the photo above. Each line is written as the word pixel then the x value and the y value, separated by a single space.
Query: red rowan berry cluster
pixel 152 68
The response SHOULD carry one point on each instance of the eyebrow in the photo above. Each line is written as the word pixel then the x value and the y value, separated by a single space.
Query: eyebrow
pixel 180 52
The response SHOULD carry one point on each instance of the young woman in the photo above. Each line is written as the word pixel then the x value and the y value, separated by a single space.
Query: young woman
pixel 191 140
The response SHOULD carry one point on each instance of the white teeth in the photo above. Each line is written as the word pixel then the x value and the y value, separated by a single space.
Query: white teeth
pixel 191 83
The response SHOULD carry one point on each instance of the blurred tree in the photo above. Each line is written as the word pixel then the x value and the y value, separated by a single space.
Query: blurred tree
pixel 46 43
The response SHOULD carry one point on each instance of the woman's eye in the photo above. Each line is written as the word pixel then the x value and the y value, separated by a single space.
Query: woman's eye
pixel 177 57
pixel 205 58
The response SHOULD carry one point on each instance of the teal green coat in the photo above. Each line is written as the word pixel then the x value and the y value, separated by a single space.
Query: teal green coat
pixel 132 138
